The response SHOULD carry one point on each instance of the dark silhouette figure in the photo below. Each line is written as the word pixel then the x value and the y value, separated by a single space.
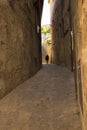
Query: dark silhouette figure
pixel 47 59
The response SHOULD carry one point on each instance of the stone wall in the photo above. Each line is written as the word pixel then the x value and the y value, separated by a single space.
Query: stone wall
pixel 69 34
pixel 61 33
pixel 20 42
pixel 79 18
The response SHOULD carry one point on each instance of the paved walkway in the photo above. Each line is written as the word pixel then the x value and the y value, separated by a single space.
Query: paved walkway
pixel 44 102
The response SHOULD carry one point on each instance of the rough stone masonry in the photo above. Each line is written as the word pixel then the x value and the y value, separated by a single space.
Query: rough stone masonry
pixel 20 51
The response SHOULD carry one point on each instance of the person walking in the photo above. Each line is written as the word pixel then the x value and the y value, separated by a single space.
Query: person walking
pixel 47 58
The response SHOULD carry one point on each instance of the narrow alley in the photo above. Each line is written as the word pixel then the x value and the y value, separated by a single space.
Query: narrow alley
pixel 44 102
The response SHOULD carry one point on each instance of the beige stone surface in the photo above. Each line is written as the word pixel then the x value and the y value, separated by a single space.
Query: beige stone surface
pixel 20 51
pixel 44 102
pixel 79 20
pixel 60 24
pixel 77 12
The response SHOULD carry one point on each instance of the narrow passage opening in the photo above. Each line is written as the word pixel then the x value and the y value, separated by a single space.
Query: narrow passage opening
pixel 46 35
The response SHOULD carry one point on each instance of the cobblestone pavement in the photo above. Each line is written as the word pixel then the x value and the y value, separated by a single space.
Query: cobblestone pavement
pixel 44 102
